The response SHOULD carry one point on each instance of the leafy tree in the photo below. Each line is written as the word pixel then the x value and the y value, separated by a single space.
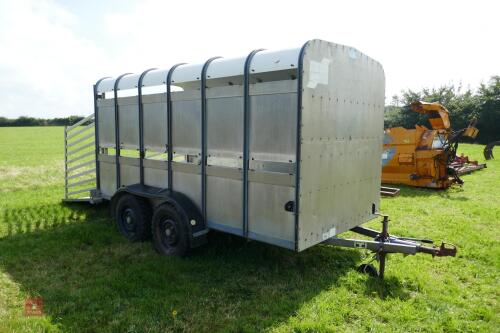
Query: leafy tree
pixel 484 105
pixel 489 113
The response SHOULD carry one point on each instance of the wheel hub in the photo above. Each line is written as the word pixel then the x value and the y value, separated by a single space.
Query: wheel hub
pixel 170 232
pixel 129 219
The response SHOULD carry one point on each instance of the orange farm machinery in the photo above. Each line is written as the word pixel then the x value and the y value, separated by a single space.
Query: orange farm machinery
pixel 426 157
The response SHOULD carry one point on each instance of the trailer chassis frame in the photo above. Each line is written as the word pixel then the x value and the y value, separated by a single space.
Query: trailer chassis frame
pixel 383 243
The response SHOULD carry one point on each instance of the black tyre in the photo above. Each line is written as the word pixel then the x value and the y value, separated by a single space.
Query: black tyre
pixel 368 269
pixel 170 231
pixel 133 217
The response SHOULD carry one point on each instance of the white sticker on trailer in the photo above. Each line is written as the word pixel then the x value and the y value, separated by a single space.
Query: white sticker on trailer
pixel 318 72
pixel 360 245
pixel 329 234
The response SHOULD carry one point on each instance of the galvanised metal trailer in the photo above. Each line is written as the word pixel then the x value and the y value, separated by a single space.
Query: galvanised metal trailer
pixel 281 147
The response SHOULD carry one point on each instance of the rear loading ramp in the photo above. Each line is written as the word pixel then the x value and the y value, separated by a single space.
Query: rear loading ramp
pixel 80 161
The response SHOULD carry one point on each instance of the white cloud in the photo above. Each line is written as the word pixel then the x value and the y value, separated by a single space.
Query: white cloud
pixel 45 69
pixel 52 52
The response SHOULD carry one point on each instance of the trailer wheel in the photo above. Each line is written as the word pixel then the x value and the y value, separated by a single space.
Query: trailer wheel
pixel 133 217
pixel 368 269
pixel 170 231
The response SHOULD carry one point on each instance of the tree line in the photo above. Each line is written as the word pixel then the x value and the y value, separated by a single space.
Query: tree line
pixel 463 105
pixel 30 121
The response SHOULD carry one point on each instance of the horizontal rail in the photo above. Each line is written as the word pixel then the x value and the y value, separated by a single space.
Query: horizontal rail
pixel 83 138
pixel 71 152
pixel 405 248
pixel 80 131
pixel 80 165
pixel 88 180
pixel 81 191
pixel 90 153
pixel 76 175
pixel 155 155
pixel 79 123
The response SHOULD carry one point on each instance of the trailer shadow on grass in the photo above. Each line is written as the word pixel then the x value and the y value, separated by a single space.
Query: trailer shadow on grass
pixel 91 279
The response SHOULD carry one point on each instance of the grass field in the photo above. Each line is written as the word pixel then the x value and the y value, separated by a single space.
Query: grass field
pixel 93 280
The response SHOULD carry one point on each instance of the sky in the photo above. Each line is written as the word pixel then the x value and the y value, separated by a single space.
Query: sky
pixel 52 52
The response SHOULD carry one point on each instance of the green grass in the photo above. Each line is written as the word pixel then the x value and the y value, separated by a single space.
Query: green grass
pixel 93 280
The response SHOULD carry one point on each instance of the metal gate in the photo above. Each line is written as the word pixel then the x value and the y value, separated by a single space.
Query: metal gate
pixel 80 161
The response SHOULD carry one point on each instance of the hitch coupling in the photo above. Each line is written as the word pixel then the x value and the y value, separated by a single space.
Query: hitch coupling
pixel 445 250
pixel 383 243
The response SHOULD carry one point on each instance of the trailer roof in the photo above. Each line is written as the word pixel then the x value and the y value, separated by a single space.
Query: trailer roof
pixel 183 75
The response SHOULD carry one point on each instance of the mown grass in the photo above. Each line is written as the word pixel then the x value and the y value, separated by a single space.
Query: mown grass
pixel 93 280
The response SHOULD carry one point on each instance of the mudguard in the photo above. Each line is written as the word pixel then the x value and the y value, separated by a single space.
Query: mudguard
pixel 189 210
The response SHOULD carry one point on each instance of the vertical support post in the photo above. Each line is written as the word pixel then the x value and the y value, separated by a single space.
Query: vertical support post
pixel 65 162
pixel 142 151
pixel 246 136
pixel 170 153
pixel 382 254
pixel 117 130
pixel 300 71
pixel 385 228
pixel 96 137
pixel 204 137
pixel 381 259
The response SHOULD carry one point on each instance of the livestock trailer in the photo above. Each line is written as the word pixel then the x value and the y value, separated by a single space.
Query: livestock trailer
pixel 281 147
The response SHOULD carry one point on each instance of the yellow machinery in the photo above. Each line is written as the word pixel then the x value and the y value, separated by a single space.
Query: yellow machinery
pixel 423 157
